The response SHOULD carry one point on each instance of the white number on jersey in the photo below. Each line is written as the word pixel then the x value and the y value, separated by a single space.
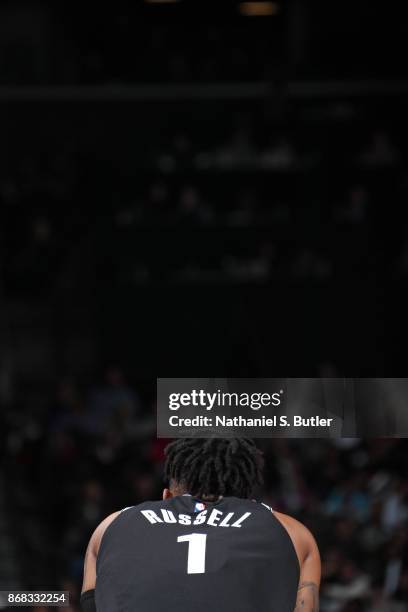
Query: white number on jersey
pixel 196 552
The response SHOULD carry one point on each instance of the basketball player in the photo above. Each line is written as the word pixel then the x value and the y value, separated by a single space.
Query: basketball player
pixel 207 546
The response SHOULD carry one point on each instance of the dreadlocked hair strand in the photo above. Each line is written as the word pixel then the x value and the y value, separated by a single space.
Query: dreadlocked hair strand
pixel 211 467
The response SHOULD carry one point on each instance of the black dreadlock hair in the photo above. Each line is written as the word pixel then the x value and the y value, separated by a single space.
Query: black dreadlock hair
pixel 210 467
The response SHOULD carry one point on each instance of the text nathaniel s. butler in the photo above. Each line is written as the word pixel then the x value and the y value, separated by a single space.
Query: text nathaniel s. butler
pixel 241 421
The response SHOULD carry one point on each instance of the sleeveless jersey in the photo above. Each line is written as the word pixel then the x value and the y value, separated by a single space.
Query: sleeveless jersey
pixel 184 554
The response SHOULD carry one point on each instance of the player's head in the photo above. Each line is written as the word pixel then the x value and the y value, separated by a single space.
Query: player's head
pixel 211 467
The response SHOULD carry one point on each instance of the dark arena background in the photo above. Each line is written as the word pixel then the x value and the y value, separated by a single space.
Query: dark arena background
pixel 196 189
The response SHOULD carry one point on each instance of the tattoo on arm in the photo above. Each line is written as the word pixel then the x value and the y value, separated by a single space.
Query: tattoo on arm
pixel 308 597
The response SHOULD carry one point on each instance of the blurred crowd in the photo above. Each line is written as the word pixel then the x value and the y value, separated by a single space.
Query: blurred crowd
pixel 92 449
pixel 253 202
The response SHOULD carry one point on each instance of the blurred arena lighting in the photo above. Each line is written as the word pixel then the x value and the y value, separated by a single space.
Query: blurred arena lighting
pixel 258 9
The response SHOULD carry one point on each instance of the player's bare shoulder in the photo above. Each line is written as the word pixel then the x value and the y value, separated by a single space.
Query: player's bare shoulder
pixel 101 528
pixel 302 538
pixel 309 561
pixel 92 552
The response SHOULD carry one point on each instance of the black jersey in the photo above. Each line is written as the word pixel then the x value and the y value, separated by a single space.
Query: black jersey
pixel 184 554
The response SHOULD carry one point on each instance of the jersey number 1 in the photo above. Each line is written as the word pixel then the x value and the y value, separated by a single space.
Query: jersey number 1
pixel 196 552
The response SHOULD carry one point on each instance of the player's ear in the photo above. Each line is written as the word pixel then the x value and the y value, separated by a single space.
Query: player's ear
pixel 167 494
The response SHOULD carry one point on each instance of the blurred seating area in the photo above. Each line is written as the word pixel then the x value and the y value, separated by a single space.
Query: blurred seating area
pixel 229 192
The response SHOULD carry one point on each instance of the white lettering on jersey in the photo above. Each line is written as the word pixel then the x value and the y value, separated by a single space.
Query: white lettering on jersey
pixel 151 516
pixel 224 522
pixel 239 522
pixel 214 517
pixel 184 519
pixel 168 516
pixel 201 518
